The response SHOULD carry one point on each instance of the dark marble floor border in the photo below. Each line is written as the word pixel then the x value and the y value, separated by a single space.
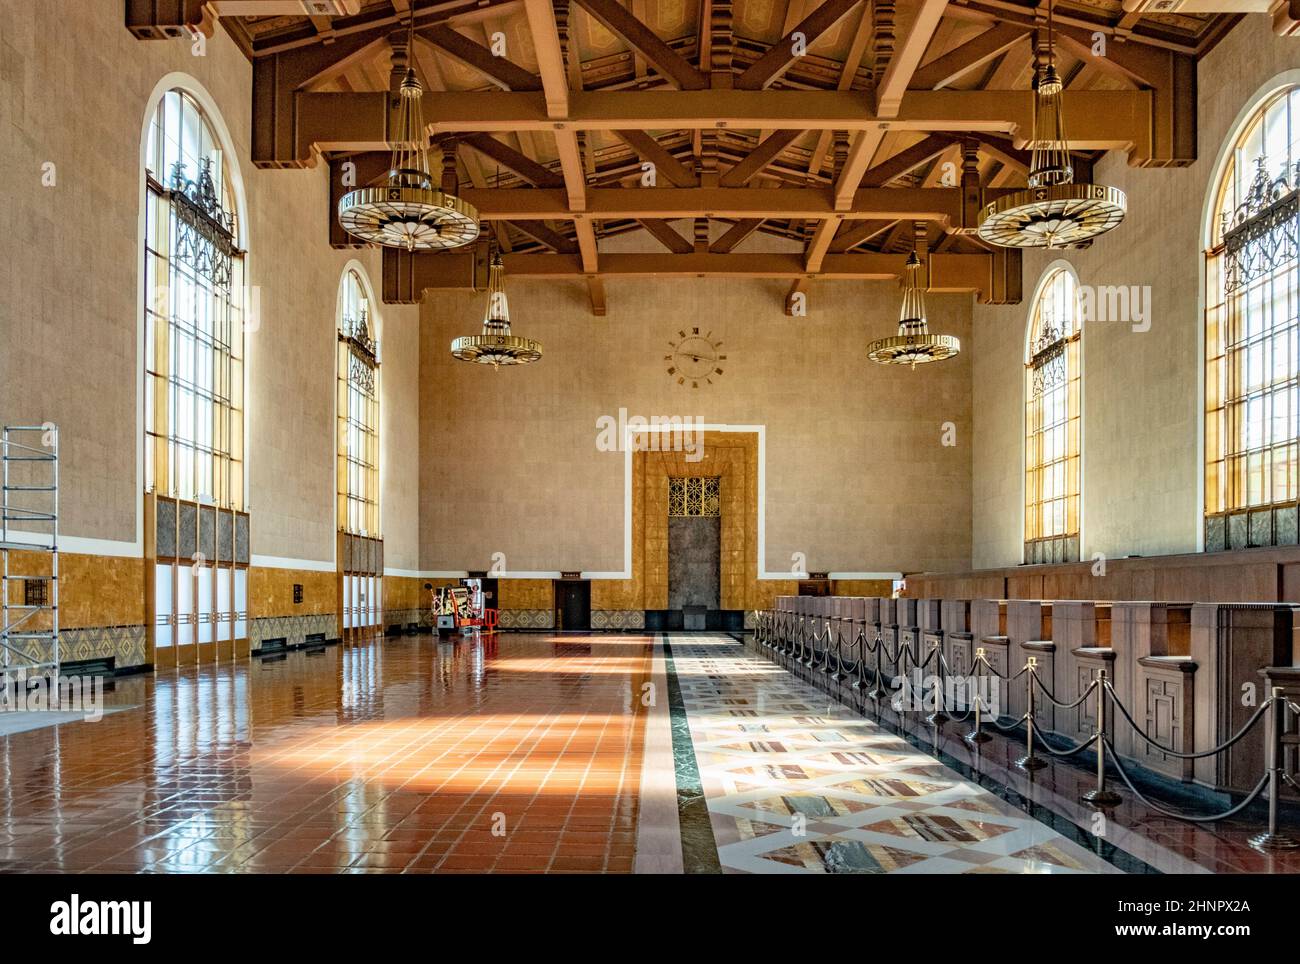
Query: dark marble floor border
pixel 699 847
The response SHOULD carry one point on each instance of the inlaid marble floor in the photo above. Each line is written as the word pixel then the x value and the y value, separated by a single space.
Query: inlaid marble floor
pixel 796 783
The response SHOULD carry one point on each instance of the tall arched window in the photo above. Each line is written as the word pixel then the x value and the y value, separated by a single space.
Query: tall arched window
pixel 361 550
pixel 1252 353
pixel 358 410
pixel 1052 424
pixel 194 328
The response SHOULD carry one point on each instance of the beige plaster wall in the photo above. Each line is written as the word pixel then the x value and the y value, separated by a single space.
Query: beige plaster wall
pixel 1141 410
pixel 69 264
pixel 509 462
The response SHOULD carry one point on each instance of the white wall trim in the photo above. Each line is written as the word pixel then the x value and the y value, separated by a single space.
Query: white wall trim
pixel 280 562
pixel 81 545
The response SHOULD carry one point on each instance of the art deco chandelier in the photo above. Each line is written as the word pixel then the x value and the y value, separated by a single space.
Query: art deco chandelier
pixel 913 345
pixel 1055 211
pixel 408 211
pixel 496 346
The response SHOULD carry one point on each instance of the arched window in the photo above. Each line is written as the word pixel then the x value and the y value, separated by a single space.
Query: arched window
pixel 361 550
pixel 1052 424
pixel 194 330
pixel 358 410
pixel 1252 366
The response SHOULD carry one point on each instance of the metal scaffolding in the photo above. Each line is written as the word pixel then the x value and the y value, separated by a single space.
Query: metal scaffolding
pixel 29 526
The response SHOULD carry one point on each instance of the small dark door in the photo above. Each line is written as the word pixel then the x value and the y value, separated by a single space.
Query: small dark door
pixel 572 604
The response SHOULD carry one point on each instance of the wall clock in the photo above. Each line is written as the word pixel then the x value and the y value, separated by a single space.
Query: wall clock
pixel 695 358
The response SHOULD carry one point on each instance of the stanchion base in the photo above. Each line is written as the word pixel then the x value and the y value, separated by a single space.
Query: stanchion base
pixel 1102 798
pixel 977 736
pixel 938 719
pixel 838 677
pixel 1273 841
pixel 1031 763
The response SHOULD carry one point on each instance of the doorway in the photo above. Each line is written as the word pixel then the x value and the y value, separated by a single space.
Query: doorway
pixel 572 604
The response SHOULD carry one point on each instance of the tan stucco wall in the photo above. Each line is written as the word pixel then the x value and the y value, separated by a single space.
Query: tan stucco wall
pixel 509 462
pixel 1141 415
pixel 69 265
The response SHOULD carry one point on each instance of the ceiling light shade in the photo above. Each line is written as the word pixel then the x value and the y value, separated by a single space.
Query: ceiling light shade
pixel 496 346
pixel 913 345
pixel 408 211
pixel 1055 211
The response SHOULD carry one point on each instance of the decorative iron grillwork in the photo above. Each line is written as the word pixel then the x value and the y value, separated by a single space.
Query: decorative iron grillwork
pixel 362 360
pixel 205 229
pixel 1263 233
pixel 695 497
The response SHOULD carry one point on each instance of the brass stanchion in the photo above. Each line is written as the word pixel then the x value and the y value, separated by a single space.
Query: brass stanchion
pixel 1272 839
pixel 838 676
pixel 938 717
pixel 977 735
pixel 1099 796
pixel 1029 761
pixel 859 643
pixel 876 693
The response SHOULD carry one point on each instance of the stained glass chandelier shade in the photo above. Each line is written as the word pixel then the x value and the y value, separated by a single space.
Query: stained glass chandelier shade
pixel 408 211
pixel 496 346
pixel 1054 211
pixel 913 345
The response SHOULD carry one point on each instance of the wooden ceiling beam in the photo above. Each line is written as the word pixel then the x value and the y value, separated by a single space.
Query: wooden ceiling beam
pixel 949 272
pixel 662 57
pixel 1098 119
pixel 907 56
pixel 898 203
pixel 545 34
pixel 759 158
pixel 540 232
pixel 735 234
pixel 907 159
pixel 648 149
pixel 504 73
pixel 667 235
pixel 782 54
pixel 974 53
pixel 513 160
pixel 858 232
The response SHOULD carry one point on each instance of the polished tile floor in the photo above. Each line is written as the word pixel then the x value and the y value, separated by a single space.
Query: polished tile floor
pixel 534 752
pixel 518 754
pixel 797 783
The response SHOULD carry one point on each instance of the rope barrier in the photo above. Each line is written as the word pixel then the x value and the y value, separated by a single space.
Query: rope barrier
pixel 775 631
pixel 1212 818
pixel 1042 740
pixel 1190 756
pixel 1065 706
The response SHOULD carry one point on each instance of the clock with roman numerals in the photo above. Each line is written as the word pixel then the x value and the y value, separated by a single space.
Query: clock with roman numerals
pixel 695 358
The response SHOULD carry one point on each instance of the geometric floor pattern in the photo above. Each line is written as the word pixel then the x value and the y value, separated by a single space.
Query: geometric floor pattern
pixel 796 783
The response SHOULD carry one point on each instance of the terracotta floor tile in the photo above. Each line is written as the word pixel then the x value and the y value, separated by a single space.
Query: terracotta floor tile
pixel 373 757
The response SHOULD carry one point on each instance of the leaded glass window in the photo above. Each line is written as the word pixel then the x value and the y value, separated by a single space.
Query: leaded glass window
pixel 1252 374
pixel 1052 423
pixel 194 312
pixel 358 411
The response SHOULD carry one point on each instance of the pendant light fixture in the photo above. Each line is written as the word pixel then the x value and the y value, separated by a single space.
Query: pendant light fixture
pixel 408 211
pixel 1055 211
pixel 496 346
pixel 913 345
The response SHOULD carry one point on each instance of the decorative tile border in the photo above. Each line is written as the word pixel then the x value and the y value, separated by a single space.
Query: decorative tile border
pixel 618 619
pixel 125 644
pixel 526 619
